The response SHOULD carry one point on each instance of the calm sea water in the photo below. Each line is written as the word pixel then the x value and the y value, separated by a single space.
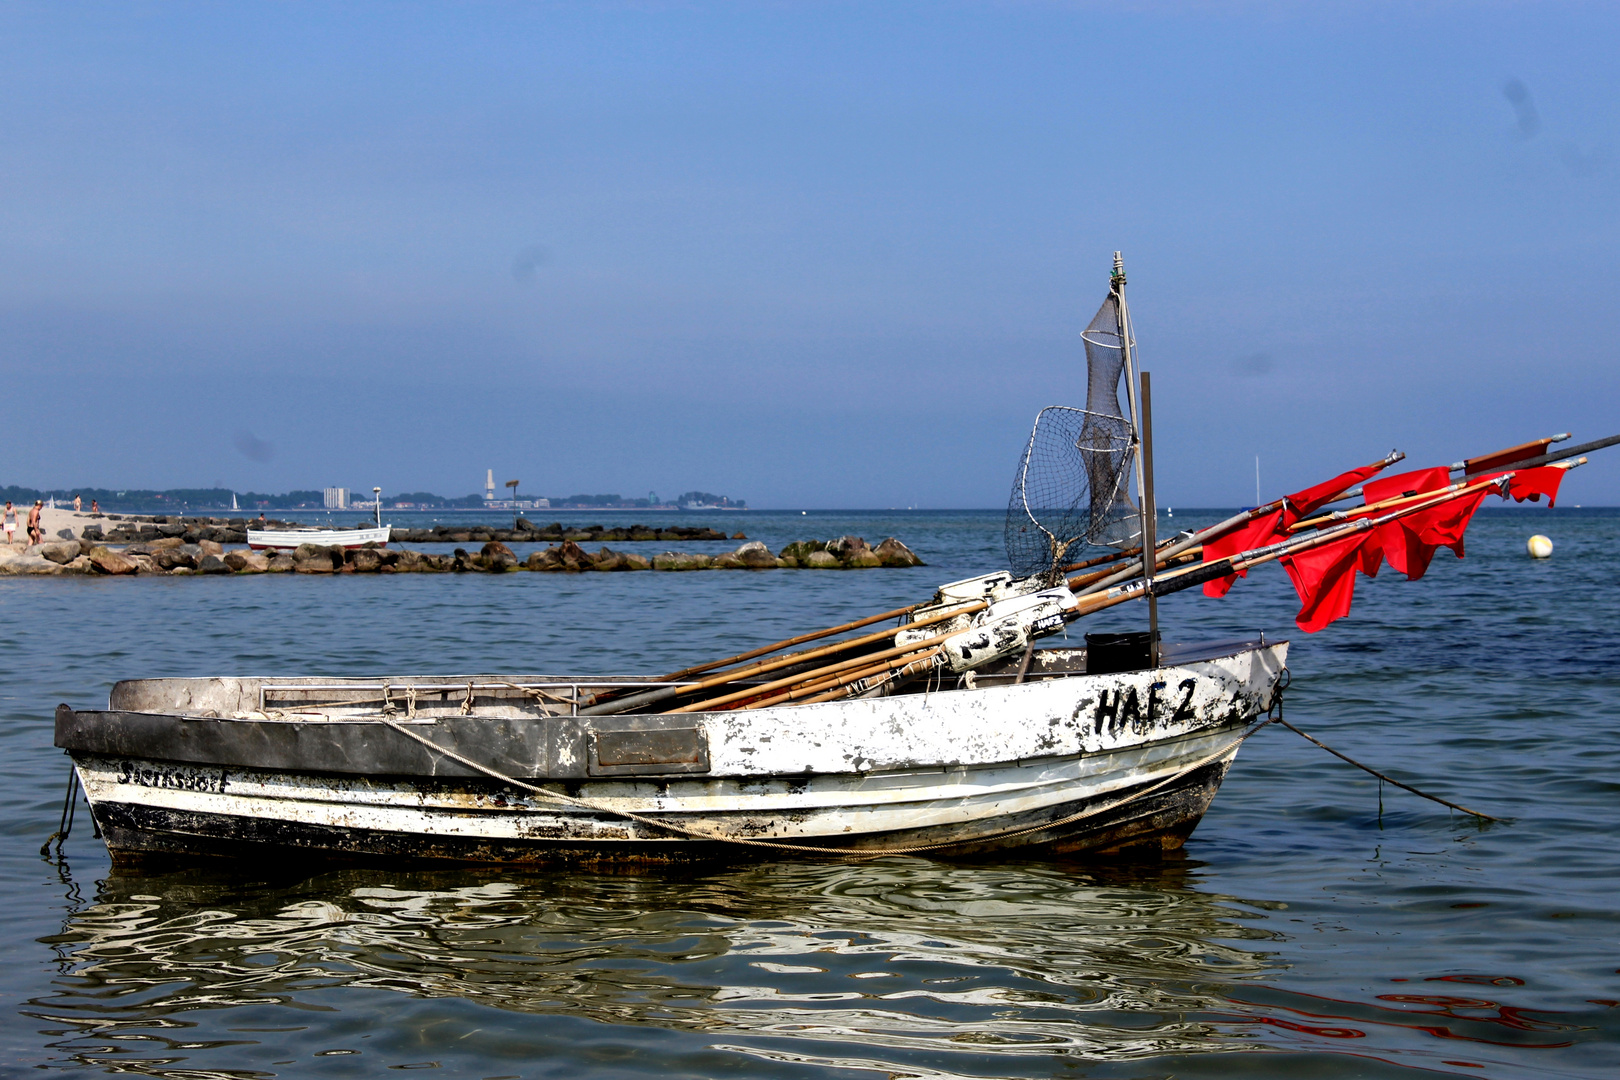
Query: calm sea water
pixel 1313 927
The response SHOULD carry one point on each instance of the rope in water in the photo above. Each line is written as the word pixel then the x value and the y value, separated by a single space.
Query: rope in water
pixel 70 805
pixel 1381 776
pixel 864 853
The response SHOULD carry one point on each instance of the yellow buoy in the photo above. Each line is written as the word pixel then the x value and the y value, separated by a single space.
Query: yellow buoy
pixel 1540 547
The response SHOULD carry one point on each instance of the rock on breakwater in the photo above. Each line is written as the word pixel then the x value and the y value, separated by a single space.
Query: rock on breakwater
pixel 187 529
pixel 176 556
pixel 525 532
pixel 132 529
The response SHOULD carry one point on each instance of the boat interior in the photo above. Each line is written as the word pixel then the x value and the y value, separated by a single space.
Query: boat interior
pixel 423 698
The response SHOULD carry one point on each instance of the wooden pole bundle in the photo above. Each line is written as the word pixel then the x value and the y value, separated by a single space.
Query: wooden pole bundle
pixel 766 650
pixel 664 693
pixel 1103 588
pixel 859 663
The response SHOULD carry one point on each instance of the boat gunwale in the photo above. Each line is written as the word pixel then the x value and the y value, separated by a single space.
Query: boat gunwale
pixel 1172 655
pixel 860 737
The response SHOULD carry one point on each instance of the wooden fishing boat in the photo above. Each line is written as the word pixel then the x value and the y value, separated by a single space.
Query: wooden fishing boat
pixel 288 539
pixel 504 769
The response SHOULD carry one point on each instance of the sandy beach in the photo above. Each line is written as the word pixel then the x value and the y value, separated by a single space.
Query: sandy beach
pixel 58 524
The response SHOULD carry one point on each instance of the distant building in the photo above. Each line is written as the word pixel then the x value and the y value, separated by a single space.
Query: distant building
pixel 489 486
pixel 337 498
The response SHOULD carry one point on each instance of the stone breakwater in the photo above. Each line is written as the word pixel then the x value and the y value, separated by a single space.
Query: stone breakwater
pixel 525 532
pixel 173 555
pixel 192 530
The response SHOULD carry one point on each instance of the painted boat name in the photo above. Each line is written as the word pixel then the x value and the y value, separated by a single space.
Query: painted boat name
pixel 1124 712
pixel 181 779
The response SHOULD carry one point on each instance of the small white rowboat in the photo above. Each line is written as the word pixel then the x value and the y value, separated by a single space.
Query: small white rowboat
pixel 263 539
pixel 504 769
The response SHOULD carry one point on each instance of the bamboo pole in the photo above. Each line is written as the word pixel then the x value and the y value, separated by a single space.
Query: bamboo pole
pixel 1346 515
pixel 807 676
pixel 1113 556
pixel 764 650
pixel 902 673
pixel 664 693
pixel 841 681
pixel 1169 551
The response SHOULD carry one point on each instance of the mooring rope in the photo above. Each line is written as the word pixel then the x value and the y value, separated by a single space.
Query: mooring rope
pixel 865 853
pixel 1381 776
pixel 70 806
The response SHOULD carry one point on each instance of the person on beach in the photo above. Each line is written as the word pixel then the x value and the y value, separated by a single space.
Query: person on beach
pixel 95 507
pixel 78 504
pixel 35 533
pixel 263 524
pixel 11 522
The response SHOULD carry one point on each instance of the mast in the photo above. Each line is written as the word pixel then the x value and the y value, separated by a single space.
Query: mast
pixel 1144 451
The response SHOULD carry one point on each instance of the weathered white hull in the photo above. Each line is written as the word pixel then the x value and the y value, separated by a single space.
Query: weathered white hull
pixel 270 539
pixel 1061 761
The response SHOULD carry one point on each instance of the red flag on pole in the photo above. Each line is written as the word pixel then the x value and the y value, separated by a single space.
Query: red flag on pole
pixel 1407 483
pixel 1389 543
pixel 1301 503
pixel 1325 578
pixel 1256 533
pixel 1409 542
pixel 1531 484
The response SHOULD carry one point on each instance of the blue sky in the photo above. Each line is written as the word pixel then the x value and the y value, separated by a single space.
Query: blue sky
pixel 819 255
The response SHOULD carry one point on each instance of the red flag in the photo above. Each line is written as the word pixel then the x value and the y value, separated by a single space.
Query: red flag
pixel 1407 483
pixel 1389 542
pixel 1372 552
pixel 1402 550
pixel 1256 533
pixel 1409 542
pixel 1302 503
pixel 1531 484
pixel 1325 578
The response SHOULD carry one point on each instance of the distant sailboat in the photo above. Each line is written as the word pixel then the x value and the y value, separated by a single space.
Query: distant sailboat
pixel 233 501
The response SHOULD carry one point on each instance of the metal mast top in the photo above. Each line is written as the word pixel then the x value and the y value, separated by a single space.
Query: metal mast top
pixel 1144 478
pixel 1116 285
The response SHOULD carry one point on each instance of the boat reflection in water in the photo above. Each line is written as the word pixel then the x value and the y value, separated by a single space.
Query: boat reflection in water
pixel 904 967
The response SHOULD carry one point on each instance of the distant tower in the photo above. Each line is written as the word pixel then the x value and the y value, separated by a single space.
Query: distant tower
pixel 489 486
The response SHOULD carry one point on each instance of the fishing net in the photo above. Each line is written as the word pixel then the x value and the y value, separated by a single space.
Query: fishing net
pixel 1073 482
